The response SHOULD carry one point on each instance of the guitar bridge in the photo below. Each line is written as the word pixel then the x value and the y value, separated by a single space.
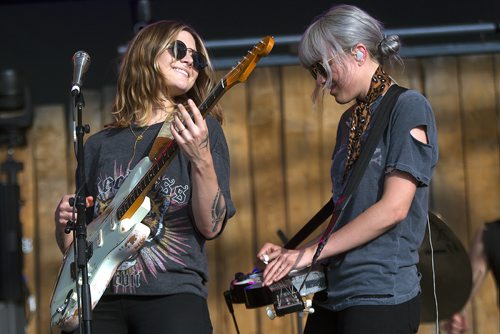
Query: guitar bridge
pixel 286 297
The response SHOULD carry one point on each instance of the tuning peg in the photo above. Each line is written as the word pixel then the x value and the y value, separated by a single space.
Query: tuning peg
pixel 308 306
pixel 270 312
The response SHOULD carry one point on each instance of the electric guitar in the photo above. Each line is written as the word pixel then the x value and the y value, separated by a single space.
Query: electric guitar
pixel 118 232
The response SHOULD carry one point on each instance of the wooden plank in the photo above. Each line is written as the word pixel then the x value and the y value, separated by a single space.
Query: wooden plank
pixel 481 166
pixel 448 185
pixel 265 121
pixel 234 251
pixel 107 100
pixel 410 75
pixel 51 183
pixel 239 244
pixel 302 149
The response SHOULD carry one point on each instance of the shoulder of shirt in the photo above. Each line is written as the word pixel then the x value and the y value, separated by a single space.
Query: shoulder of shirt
pixel 212 123
pixel 102 134
pixel 412 95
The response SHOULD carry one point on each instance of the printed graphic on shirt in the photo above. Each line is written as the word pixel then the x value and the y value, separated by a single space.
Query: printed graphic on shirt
pixel 169 225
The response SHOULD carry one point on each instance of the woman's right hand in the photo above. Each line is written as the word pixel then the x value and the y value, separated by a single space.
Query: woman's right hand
pixel 457 324
pixel 280 261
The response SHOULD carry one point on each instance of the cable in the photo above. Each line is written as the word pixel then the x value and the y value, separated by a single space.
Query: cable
pixel 229 303
pixel 433 275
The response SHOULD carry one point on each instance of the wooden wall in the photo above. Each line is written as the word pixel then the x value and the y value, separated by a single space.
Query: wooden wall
pixel 280 154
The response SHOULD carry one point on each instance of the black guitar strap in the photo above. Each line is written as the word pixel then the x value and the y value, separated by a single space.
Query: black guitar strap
pixel 379 126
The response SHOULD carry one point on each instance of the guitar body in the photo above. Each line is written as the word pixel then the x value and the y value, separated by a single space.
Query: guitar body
pixel 111 242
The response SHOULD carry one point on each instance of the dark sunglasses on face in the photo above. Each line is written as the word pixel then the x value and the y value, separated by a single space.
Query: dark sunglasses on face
pixel 318 68
pixel 179 50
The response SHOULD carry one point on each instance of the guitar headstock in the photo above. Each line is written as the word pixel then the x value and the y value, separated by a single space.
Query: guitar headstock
pixel 243 69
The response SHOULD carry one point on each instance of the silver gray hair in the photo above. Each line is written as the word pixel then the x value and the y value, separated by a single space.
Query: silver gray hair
pixel 338 30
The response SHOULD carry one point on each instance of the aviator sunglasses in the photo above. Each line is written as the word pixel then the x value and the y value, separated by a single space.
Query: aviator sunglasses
pixel 178 50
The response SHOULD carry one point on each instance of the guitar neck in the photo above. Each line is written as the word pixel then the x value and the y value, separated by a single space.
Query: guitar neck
pixel 213 97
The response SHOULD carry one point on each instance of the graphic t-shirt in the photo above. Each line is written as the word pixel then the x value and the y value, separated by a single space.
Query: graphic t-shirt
pixel 173 258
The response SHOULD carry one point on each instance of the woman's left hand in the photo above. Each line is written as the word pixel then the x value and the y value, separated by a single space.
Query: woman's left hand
pixel 191 134
pixel 280 261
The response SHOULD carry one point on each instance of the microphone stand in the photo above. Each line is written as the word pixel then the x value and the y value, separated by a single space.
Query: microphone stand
pixel 82 250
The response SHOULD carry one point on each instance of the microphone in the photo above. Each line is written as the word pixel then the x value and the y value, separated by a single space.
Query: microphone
pixel 81 62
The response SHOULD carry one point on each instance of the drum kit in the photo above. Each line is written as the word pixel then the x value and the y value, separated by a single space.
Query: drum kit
pixel 446 280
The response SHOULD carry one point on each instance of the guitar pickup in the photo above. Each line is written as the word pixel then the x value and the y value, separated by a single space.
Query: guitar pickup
pixel 100 239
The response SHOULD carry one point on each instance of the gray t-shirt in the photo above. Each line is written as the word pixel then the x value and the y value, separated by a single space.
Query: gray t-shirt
pixel 173 259
pixel 383 271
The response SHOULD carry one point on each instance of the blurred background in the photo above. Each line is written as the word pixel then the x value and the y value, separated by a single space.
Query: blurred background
pixel 280 148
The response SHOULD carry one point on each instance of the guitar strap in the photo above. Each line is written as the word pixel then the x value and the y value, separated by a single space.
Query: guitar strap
pixel 379 126
pixel 163 136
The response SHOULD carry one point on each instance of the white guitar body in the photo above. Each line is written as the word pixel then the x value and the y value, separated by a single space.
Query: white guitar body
pixel 112 242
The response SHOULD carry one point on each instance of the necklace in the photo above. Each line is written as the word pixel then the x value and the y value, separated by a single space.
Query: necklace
pixel 138 138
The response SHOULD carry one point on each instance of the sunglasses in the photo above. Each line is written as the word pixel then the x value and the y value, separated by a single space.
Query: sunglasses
pixel 179 50
pixel 318 68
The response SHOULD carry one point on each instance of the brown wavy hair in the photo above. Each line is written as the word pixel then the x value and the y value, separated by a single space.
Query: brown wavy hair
pixel 141 86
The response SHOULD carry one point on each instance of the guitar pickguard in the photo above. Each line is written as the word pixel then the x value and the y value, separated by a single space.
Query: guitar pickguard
pixel 112 242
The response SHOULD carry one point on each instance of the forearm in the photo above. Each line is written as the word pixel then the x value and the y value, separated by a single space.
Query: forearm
pixel 479 263
pixel 370 224
pixel 208 203
pixel 63 239
pixel 393 207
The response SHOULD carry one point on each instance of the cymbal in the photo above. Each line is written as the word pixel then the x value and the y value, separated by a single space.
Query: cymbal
pixel 453 273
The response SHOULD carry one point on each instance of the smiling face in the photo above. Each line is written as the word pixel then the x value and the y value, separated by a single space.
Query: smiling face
pixel 179 74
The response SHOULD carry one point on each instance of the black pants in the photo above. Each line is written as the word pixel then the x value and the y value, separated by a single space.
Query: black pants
pixel 175 314
pixel 374 319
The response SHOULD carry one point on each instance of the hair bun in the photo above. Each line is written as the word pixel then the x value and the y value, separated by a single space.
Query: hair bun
pixel 389 45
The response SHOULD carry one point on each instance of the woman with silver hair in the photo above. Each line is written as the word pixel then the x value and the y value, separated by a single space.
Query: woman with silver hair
pixel 370 258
